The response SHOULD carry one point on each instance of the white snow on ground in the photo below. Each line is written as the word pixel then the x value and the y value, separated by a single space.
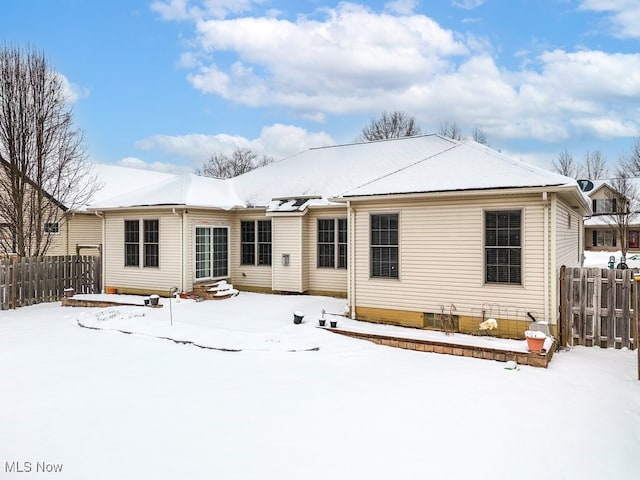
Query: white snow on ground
pixel 600 259
pixel 106 405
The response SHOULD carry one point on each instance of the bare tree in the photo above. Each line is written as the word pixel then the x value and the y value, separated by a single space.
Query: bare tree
pixel 630 163
pixel 625 207
pixel 595 166
pixel 450 130
pixel 390 125
pixel 565 165
pixel 480 137
pixel 242 160
pixel 43 165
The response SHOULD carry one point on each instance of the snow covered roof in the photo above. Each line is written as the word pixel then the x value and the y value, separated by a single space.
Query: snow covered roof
pixel 186 189
pixel 467 165
pixel 116 181
pixel 328 172
pixel 322 176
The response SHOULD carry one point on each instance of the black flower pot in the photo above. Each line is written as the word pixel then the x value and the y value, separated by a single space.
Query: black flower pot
pixel 297 318
pixel 334 323
pixel 321 322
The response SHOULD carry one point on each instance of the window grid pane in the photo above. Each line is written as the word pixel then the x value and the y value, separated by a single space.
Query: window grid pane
pixel 326 245
pixel 203 252
pixel 248 243
pixel 131 243
pixel 503 252
pixel 264 242
pixel 342 243
pixel 151 243
pixel 220 259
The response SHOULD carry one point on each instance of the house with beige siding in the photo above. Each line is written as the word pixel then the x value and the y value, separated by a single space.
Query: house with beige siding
pixel 602 229
pixel 404 229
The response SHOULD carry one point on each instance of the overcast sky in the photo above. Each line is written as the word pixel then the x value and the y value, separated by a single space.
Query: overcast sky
pixel 165 83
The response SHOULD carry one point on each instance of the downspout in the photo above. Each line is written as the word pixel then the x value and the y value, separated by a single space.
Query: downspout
pixel 545 199
pixel 351 278
pixel 182 220
pixel 553 291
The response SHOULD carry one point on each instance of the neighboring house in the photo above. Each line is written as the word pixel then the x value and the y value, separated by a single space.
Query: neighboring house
pixel 405 229
pixel 51 210
pixel 601 229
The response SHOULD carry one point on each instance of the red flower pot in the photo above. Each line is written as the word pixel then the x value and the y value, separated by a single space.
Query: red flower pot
pixel 535 344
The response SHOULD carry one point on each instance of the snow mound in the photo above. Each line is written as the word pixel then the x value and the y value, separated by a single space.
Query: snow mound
pixel 128 319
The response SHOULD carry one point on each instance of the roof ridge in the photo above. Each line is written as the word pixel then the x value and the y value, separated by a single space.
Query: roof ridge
pixel 380 140
pixel 397 170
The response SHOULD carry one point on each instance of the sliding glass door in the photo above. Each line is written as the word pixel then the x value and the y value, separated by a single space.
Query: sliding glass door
pixel 212 252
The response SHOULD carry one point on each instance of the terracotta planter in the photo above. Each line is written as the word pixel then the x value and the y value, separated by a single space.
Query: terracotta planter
pixel 111 290
pixel 535 344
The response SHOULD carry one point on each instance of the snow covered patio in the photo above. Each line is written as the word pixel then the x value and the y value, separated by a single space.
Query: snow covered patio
pixel 238 325
pixel 107 405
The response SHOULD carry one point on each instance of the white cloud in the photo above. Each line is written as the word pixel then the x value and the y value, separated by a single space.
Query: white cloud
pixel 71 92
pixel 353 60
pixel 277 141
pixel 134 162
pixel 402 7
pixel 187 10
pixel 623 14
pixel 467 4
pixel 332 65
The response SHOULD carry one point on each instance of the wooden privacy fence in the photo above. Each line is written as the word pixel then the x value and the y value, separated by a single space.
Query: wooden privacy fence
pixel 28 280
pixel 597 307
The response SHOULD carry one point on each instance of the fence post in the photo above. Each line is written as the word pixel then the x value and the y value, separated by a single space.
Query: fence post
pixel 14 281
pixel 563 307
pixel 635 326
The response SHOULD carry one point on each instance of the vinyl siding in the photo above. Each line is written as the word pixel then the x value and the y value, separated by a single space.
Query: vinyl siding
pixel 79 228
pixel 59 243
pixel 569 237
pixel 441 259
pixel 250 276
pixel 287 235
pixel 330 280
pixel 157 279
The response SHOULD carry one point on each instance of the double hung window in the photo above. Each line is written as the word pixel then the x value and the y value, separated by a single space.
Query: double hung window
pixel 384 245
pixel 332 243
pixel 503 246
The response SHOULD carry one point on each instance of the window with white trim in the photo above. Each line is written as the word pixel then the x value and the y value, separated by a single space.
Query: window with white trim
pixel 604 238
pixel 131 243
pixel 332 243
pixel 255 242
pixel 149 249
pixel 151 244
pixel 52 227
pixel 384 245
pixel 503 246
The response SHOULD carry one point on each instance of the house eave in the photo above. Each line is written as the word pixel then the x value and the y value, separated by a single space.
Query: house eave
pixel 578 199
